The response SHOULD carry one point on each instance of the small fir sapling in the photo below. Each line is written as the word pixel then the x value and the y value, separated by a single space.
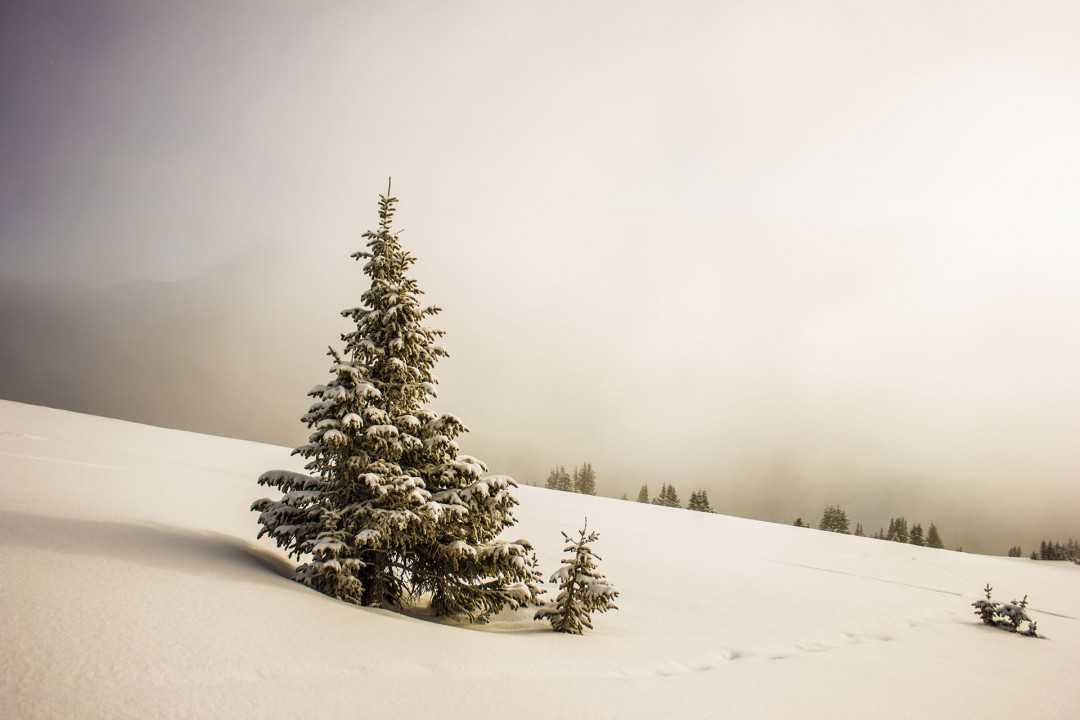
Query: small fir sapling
pixel 583 590
pixel 985 608
pixel 1011 616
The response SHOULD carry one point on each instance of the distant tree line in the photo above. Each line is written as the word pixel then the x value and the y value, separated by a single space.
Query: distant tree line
pixel 1050 550
pixel 669 497
pixel 835 519
pixel 583 480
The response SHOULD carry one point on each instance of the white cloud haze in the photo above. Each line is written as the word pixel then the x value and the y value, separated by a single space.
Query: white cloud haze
pixel 799 254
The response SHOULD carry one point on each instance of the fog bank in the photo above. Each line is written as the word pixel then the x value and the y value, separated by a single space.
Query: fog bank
pixel 793 256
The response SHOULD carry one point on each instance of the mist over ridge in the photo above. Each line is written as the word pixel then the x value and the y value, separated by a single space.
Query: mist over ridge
pixel 790 261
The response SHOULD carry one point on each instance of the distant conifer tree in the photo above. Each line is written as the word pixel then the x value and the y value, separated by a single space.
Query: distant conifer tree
pixel 643 493
pixel 559 479
pixel 916 535
pixel 933 537
pixel 673 497
pixel 585 480
pixel 668 497
pixel 564 482
pixel 699 501
pixel 834 519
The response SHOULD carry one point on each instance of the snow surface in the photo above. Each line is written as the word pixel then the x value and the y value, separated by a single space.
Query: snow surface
pixel 131 586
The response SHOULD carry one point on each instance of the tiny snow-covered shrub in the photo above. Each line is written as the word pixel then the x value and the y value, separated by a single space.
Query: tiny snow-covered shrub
pixel 583 590
pixel 1008 616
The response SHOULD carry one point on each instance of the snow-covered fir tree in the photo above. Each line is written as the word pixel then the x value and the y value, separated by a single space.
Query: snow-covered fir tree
pixel 464 565
pixel 357 511
pixel 585 480
pixel 915 537
pixel 583 590
pixel 699 500
pixel 643 494
pixel 391 507
pixel 859 530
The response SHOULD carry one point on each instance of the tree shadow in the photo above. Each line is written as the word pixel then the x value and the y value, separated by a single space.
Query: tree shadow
pixel 195 552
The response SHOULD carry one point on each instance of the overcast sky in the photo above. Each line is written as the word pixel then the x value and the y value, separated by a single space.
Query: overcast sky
pixel 791 253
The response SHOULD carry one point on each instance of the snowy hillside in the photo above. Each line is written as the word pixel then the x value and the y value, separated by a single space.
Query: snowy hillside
pixel 131 586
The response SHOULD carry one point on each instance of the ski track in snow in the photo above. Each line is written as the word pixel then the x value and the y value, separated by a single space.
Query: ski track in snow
pixel 44 458
pixel 1031 608
pixel 21 436
pixel 870 577
pixel 718 661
